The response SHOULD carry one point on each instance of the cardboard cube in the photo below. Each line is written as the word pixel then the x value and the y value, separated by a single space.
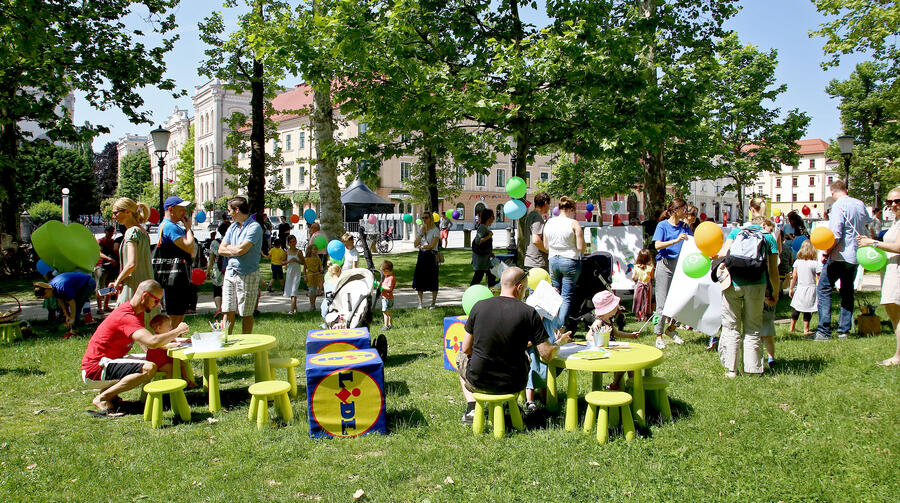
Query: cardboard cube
pixel 345 394
pixel 343 339
pixel 454 331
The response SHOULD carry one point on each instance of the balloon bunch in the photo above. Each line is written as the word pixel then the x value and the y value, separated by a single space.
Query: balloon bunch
pixel 709 239
pixel 514 208
pixel 336 250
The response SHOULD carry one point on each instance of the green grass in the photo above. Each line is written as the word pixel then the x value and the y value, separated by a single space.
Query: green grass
pixel 822 427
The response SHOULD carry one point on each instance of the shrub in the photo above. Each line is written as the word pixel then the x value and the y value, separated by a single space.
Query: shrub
pixel 44 211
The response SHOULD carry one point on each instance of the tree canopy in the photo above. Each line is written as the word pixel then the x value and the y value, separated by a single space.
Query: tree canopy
pixel 134 173
pixel 106 169
pixel 184 169
pixel 45 169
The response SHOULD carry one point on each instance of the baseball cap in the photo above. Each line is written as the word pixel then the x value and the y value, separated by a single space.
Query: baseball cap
pixel 175 201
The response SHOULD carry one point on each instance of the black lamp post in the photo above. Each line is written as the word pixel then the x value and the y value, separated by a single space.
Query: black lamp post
pixel 512 247
pixel 846 144
pixel 160 138
pixel 877 186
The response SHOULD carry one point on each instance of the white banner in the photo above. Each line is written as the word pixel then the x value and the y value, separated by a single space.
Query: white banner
pixel 694 302
pixel 616 208
pixel 623 243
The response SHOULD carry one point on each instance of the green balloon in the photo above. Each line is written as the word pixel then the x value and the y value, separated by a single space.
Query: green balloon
pixel 696 265
pixel 407 218
pixel 473 295
pixel 516 187
pixel 871 258
pixel 449 214
pixel 66 248
pixel 338 262
pixel 320 242
pixel 418 221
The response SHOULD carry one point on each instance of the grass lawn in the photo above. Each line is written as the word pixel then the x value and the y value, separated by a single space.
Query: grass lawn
pixel 822 427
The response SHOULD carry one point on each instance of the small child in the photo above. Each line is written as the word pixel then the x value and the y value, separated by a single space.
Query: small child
pixel 606 305
pixel 160 324
pixel 313 270
pixel 804 279
pixel 351 257
pixel 387 293
pixel 276 260
pixel 331 281
pixel 643 278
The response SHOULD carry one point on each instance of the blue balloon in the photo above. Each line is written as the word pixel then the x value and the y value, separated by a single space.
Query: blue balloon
pixel 514 209
pixel 798 242
pixel 589 207
pixel 45 268
pixel 201 217
pixel 309 215
pixel 336 249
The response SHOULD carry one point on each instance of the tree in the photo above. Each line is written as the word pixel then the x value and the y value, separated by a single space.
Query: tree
pixel 45 169
pixel 42 212
pixel 185 169
pixel 54 47
pixel 871 26
pixel 750 138
pixel 149 193
pixel 134 173
pixel 106 169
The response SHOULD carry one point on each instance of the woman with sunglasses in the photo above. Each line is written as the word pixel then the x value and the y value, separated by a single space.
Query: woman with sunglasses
pixel 890 285
pixel 667 238
pixel 134 252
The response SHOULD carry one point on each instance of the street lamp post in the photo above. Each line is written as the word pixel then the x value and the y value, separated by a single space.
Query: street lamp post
pixel 160 138
pixel 512 247
pixel 877 186
pixel 845 142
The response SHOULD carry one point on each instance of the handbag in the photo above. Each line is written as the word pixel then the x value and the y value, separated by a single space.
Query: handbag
pixel 168 270
pixel 439 257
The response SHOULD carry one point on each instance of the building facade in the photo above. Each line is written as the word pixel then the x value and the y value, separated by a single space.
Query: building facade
pixel 178 124
pixel 803 184
pixel 131 143
pixel 711 199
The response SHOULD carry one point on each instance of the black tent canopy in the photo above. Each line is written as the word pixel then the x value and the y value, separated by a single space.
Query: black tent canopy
pixel 359 200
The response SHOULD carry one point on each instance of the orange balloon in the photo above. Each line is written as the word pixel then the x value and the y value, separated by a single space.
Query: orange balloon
pixel 295 219
pixel 821 238
pixel 709 238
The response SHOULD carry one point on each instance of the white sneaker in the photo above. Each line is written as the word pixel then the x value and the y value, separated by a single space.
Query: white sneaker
pixel 660 344
pixel 676 339
pixel 468 417
pixel 419 307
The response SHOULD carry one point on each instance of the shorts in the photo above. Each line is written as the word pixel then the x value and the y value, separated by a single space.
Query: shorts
pixel 314 290
pixel 176 300
pixel 445 233
pixel 119 368
pixel 386 304
pixel 217 290
pixel 277 271
pixel 239 292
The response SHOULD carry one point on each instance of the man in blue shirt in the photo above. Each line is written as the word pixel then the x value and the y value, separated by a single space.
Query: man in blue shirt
pixel 848 219
pixel 71 290
pixel 177 243
pixel 243 245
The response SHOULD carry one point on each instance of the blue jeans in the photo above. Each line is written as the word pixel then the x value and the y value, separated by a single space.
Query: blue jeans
pixel 564 274
pixel 832 272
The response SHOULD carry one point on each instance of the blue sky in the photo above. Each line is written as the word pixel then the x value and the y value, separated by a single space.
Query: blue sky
pixel 769 24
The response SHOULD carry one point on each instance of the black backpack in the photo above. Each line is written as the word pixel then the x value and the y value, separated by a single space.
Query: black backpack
pixel 747 258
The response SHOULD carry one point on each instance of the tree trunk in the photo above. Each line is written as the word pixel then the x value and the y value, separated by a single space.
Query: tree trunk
pixel 331 216
pixel 9 194
pixel 431 173
pixel 740 198
pixel 654 183
pixel 256 185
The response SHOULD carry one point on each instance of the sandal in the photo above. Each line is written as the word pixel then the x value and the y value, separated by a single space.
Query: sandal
pixel 890 362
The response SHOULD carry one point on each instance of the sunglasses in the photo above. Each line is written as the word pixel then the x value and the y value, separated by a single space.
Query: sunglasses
pixel 523 278
pixel 116 212
pixel 891 202
pixel 157 299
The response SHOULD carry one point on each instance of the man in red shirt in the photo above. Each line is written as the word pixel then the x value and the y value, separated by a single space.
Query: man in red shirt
pixel 103 360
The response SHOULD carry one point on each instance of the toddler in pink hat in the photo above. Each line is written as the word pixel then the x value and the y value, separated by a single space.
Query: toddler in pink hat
pixel 606 305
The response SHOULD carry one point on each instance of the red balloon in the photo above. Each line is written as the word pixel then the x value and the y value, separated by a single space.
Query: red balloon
pixel 198 276
pixel 617 221
pixel 527 204
pixel 703 217
pixel 154 216
pixel 805 210
pixel 295 219
pixel 588 215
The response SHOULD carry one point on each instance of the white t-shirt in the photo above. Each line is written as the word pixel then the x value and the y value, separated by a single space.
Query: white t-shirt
pixel 428 237
pixel 561 237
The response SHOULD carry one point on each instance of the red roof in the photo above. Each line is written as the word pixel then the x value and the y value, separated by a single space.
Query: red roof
pixel 812 146
pixel 290 102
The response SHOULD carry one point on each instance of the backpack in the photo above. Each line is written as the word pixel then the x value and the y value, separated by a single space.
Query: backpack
pixel 747 259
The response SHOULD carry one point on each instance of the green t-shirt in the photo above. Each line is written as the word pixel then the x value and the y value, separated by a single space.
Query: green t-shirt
pixel 773 250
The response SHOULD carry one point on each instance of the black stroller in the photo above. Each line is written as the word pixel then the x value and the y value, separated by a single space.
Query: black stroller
pixel 596 275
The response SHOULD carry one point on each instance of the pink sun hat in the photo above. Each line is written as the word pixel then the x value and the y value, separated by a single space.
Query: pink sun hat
pixel 604 302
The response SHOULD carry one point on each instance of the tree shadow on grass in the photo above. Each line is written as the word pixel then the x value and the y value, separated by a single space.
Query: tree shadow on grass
pixel 22 372
pixel 403 419
pixel 396 388
pixel 403 358
pixel 800 366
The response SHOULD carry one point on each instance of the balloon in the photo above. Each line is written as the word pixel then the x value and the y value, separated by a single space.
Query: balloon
pixel 320 242
pixel 295 219
pixel 418 221
pixel 514 209
pixel 556 211
pixel 805 210
pixel 703 216
pixel 821 238
pixel 473 295
pixel 407 218
pixel 66 248
pixel 448 214
pixel 336 249
pixel 516 187
pixel 201 217
pixel 778 219
pixel 309 215
pixel 154 216
pixel 435 217
pixel 43 268
pixel 696 265
pixel 881 234
pixel 536 275
pixel 776 212
pixel 456 214
pixel 616 220
pixel 871 258
pixel 709 238
pixel 797 243
pixel 337 261
pixel 589 207
pixel 198 276
pixel 588 215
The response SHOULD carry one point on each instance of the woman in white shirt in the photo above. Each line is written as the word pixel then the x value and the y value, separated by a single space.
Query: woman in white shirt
pixel 425 277
pixel 564 241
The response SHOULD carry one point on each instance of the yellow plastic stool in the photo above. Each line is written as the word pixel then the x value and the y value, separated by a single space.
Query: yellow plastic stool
pixel 155 391
pixel 603 400
pixel 656 386
pixel 260 393
pixel 289 364
pixel 495 413
pixel 11 331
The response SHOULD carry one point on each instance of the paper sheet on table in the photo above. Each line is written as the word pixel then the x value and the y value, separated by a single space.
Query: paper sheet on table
pixel 545 300
pixel 694 302
pixel 570 349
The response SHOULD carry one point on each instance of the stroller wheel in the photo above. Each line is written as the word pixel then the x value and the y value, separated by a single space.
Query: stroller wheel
pixel 381 346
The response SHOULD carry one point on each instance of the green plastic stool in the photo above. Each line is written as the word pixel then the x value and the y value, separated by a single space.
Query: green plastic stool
pixel 289 364
pixel 656 388
pixel 10 332
pixel 155 391
pixel 603 400
pixel 260 393
pixel 495 413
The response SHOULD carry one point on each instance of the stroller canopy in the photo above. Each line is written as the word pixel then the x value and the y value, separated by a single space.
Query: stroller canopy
pixel 359 200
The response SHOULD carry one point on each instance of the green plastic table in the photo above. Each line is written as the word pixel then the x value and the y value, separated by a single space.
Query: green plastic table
pixel 636 357
pixel 238 344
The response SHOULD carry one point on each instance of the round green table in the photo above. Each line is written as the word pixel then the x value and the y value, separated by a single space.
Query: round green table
pixel 634 357
pixel 238 344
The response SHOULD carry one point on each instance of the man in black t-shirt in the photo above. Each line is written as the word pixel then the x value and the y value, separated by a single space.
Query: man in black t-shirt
pixel 493 356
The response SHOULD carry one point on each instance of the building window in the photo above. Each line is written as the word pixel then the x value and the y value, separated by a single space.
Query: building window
pixel 812 197
pixel 759 189
pixel 812 181
pixel 528 178
pixel 480 180
pixel 778 182
pixel 830 180
pixel 794 197
pixel 545 177
pixel 460 176
pixel 275 145
pixel 363 127
pixel 301 139
pixel 287 142
pixel 500 217
pixel 287 176
pixel 461 208
pixel 812 164
pixel 794 182
pixel 501 179
pixel 404 171
pixel 301 174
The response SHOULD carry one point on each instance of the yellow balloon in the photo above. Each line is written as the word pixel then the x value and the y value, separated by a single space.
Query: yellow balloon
pixel 821 238
pixel 435 217
pixel 709 238
pixel 537 275
pixel 776 212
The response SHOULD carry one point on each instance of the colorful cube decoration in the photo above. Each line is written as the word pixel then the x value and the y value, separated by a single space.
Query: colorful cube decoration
pixel 343 339
pixel 345 394
pixel 454 330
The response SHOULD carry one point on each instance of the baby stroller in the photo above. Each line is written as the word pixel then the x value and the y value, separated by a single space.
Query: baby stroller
pixel 351 303
pixel 596 275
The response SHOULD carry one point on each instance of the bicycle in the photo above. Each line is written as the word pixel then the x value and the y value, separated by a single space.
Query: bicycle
pixel 380 243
